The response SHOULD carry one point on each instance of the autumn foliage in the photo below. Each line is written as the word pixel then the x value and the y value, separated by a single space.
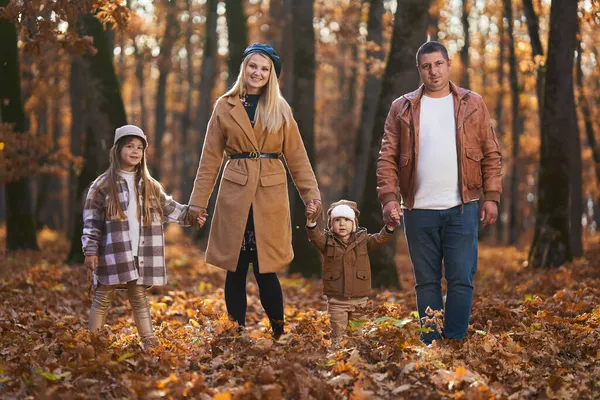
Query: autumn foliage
pixel 532 335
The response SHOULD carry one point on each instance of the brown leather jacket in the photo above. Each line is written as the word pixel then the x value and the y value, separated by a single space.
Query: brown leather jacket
pixel 346 267
pixel 476 145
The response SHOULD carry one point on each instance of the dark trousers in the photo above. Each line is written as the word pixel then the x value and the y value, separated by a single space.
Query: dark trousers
pixel 271 296
pixel 448 236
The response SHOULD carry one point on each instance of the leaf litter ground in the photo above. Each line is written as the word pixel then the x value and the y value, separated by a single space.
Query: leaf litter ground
pixel 533 334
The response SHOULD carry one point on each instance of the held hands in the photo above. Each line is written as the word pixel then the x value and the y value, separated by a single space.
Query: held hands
pixel 489 213
pixel 201 220
pixel 311 209
pixel 91 262
pixel 391 214
pixel 313 213
pixel 395 215
pixel 195 216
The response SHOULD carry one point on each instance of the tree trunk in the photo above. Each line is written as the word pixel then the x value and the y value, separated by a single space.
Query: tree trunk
pixel 238 37
pixel 206 85
pixel 369 105
pixel 536 49
pixel 500 225
pixel 49 205
pixel 433 27
pixel 100 97
pixel 164 68
pixel 514 221
pixel 186 119
pixel 464 52
pixel 587 116
pixel 276 22
pixel 576 204
pixel 139 74
pixel 576 195
pixel 286 81
pixel 2 203
pixel 401 76
pixel 551 245
pixel 306 260
pixel 20 224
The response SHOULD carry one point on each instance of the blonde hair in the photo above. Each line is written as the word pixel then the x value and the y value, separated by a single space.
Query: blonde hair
pixel 272 110
pixel 152 189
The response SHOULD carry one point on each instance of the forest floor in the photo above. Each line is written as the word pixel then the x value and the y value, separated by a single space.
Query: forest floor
pixel 533 334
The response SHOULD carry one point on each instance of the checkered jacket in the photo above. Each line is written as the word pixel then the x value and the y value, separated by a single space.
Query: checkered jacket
pixel 109 238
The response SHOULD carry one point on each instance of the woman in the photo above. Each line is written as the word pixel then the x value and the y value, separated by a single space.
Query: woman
pixel 253 126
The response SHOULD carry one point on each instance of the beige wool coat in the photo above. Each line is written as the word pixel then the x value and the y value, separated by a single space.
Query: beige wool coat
pixel 261 183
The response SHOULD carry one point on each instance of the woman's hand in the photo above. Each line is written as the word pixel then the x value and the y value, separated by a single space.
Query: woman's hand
pixel 193 215
pixel 311 209
pixel 91 262
pixel 312 213
pixel 201 220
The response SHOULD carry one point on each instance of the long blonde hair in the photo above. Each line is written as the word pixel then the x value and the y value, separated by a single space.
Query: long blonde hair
pixel 272 110
pixel 151 188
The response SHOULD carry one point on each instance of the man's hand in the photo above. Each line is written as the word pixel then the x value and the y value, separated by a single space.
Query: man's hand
pixel 392 213
pixel 91 262
pixel 201 220
pixel 489 213
pixel 395 215
pixel 314 213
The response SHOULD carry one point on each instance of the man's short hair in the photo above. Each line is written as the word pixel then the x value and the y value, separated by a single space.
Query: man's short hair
pixel 432 47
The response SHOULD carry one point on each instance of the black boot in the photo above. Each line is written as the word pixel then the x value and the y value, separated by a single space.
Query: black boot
pixel 277 327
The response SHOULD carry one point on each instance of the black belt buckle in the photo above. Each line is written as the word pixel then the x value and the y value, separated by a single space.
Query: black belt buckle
pixel 254 155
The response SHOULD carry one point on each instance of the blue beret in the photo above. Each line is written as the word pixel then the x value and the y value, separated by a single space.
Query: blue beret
pixel 266 50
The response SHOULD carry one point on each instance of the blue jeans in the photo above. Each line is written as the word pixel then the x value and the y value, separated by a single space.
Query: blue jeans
pixel 449 235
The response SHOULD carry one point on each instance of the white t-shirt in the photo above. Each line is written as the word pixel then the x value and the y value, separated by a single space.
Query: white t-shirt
pixel 132 211
pixel 437 165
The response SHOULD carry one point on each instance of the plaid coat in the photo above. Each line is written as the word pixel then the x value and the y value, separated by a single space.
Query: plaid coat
pixel 109 238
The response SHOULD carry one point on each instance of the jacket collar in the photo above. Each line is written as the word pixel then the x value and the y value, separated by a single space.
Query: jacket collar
pixel 415 97
pixel 241 117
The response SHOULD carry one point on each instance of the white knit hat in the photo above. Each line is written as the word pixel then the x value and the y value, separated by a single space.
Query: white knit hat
pixel 130 130
pixel 344 211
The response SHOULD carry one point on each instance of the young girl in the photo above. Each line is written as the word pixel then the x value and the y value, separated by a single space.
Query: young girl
pixel 122 238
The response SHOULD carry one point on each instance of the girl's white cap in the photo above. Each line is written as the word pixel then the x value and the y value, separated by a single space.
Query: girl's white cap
pixel 130 130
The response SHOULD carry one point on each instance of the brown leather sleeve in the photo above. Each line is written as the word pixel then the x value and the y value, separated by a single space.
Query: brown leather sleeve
pixel 378 240
pixel 317 238
pixel 387 163
pixel 491 164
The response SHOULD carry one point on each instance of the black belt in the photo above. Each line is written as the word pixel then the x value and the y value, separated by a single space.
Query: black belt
pixel 254 155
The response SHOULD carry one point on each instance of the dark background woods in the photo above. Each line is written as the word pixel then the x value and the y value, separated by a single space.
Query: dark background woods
pixel 70 73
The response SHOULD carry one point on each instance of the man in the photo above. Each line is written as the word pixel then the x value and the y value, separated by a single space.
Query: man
pixel 440 150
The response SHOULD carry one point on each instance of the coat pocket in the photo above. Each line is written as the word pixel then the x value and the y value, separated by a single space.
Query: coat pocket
pixel 235 176
pixel 362 284
pixel 272 180
pixel 473 168
pixel 332 282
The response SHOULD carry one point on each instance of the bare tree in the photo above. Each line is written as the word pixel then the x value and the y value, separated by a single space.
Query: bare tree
pixel 238 37
pixel 205 88
pixel 164 67
pixel 514 221
pixel 536 48
pixel 551 245
pixel 464 52
pixel 401 76
pixel 96 90
pixel 20 223
pixel 306 258
pixel 369 105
